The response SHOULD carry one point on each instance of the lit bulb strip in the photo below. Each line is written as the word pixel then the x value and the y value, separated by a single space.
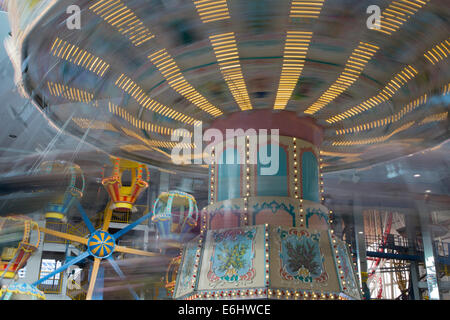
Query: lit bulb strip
pixel 270 293
pixel 248 175
pixel 306 9
pixel 295 49
pixel 155 143
pixel 135 147
pixel 69 52
pixel 152 143
pixel 70 93
pixel 226 52
pixel 374 140
pixel 212 10
pixel 130 87
pixel 434 118
pixel 84 123
pixel 295 168
pixel 387 120
pixel 352 70
pixel 123 19
pixel 144 125
pixel 171 72
pixel 399 80
pixel 321 188
pixel 397 13
pixel 438 52
pixel 212 176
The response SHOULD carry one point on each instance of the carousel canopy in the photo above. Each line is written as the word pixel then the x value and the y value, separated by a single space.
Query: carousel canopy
pixel 135 71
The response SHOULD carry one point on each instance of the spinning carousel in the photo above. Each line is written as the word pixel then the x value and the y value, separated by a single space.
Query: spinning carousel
pixel 341 95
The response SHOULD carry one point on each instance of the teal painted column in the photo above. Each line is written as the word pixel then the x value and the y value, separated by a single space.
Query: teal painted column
pixel 310 176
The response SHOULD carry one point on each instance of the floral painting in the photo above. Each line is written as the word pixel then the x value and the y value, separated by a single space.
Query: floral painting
pixel 232 259
pixel 300 255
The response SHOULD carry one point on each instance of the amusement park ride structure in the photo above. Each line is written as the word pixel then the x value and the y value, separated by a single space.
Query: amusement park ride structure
pixel 124 83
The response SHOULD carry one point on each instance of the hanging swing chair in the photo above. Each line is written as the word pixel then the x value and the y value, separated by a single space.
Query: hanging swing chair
pixel 175 214
pixel 15 244
pixel 124 194
pixel 58 208
pixel 21 291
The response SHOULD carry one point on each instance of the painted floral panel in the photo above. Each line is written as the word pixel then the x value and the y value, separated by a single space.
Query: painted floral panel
pixel 232 259
pixel 300 256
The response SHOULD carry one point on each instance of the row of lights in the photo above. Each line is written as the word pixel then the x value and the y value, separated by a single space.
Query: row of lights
pixel 247 180
pixel 212 10
pixel 322 199
pixel 137 136
pixel 297 172
pixel 70 93
pixel 73 54
pixel 352 70
pixel 399 80
pixel 269 293
pixel 123 19
pixel 295 49
pixel 134 147
pixel 438 52
pixel 378 139
pixel 338 261
pixel 172 73
pixel 349 247
pixel 434 118
pixel 225 49
pixel 124 114
pixel 85 123
pixel 197 256
pixel 213 176
pixel 266 253
pixel 131 88
pixel 148 142
pixel 397 13
pixel 387 120
pixel 156 143
pixel 227 56
pixel 306 9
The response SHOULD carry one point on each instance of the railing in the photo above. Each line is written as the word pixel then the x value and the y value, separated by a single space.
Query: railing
pixel 392 242
pixel 52 286
pixel 56 226
pixel 76 291
pixel 78 230
pixel 403 245
pixel 125 217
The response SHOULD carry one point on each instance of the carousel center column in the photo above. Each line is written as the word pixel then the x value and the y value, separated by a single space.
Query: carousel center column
pixel 266 179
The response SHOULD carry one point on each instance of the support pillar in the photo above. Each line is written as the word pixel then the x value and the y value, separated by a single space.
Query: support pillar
pixel 414 268
pixel 428 251
pixel 360 241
